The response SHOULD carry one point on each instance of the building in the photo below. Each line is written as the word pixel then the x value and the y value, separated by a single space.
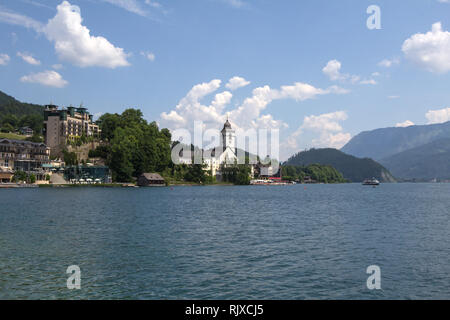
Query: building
pixel 62 125
pixel 226 154
pixel 150 180
pixel 87 174
pixel 228 151
pixel 19 155
pixel 6 175
pixel 26 131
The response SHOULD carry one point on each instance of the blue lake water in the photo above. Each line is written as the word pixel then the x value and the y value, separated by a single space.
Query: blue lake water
pixel 259 242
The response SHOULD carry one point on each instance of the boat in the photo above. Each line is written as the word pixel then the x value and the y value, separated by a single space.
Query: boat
pixel 371 182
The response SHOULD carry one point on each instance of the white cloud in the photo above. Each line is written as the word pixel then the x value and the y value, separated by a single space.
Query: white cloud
pixel 57 66
pixel 153 4
pixel 236 83
pixel 13 18
pixel 149 55
pixel 75 44
pixel 322 131
pixel 98 115
pixel 325 122
pixel 369 81
pixel 46 78
pixel 250 111
pixel 190 109
pixel 393 97
pixel 438 116
pixel 28 58
pixel 248 115
pixel 387 63
pixel 333 71
pixel 235 3
pixel 4 59
pixel 129 5
pixel 431 50
pixel 405 124
pixel 134 6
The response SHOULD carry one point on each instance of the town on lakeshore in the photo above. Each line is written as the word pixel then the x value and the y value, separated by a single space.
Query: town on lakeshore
pixel 51 146
pixel 64 146
pixel 74 152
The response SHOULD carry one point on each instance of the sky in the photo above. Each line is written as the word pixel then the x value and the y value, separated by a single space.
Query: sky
pixel 319 71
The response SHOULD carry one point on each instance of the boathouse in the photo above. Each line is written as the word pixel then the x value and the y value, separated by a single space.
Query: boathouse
pixel 150 180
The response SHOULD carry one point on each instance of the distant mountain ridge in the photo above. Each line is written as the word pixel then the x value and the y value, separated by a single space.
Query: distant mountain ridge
pixel 352 168
pixel 383 143
pixel 9 105
pixel 427 162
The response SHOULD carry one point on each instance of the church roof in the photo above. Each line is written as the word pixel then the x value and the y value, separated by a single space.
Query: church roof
pixel 153 177
pixel 227 125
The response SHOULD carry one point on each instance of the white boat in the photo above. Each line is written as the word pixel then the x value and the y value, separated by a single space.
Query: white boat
pixel 371 182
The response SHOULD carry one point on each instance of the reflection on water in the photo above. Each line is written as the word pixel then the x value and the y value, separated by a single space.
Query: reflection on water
pixel 260 242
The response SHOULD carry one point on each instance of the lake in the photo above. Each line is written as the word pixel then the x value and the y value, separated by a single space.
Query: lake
pixel 226 242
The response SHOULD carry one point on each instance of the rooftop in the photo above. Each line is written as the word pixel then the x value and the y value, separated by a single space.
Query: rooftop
pixel 22 142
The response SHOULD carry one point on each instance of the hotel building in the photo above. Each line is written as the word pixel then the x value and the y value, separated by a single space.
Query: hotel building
pixel 62 125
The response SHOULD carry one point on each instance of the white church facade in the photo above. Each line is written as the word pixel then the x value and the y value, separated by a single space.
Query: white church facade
pixel 228 154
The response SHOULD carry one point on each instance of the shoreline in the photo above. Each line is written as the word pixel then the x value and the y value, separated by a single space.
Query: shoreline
pixel 129 185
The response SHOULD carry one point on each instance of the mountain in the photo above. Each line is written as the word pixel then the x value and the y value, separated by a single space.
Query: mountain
pixel 352 168
pixel 382 143
pixel 427 162
pixel 11 106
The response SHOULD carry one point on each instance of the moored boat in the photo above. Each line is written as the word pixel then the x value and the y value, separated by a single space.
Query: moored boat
pixel 371 182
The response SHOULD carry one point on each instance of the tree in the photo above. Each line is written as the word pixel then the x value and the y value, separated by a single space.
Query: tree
pixel 196 173
pixel 7 128
pixel 35 138
pixel 134 146
pixel 120 159
pixel 33 121
pixel 108 124
pixel 70 158
pixel 10 119
pixel 317 172
pixel 236 174
pixel 19 176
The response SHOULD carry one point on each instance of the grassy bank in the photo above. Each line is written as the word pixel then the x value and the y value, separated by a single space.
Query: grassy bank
pixel 11 136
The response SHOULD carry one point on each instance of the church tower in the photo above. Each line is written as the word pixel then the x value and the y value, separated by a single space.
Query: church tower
pixel 228 137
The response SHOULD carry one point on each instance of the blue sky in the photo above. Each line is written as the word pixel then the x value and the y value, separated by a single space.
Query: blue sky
pixel 311 68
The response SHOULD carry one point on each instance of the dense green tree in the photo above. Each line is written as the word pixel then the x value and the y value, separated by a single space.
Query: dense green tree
pixel 20 176
pixel 10 119
pixel 352 168
pixel 135 146
pixel 6 127
pixel 101 151
pixel 108 123
pixel 317 172
pixel 236 174
pixel 33 121
pixel 70 158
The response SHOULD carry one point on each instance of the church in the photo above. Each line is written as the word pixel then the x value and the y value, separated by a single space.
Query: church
pixel 228 154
